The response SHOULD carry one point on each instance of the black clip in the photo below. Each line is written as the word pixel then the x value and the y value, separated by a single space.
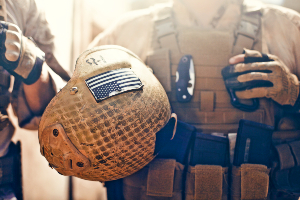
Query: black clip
pixel 244 107
pixel 227 73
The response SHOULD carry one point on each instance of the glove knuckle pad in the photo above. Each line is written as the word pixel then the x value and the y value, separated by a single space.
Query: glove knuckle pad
pixel 14 27
pixel 11 55
pixel 10 35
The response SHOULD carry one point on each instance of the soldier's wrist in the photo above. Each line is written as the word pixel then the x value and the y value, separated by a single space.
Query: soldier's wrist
pixel 295 108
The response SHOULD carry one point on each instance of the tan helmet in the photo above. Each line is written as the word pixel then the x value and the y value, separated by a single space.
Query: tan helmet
pixel 102 125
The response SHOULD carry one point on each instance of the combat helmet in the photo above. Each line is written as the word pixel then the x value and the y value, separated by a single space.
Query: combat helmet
pixel 102 125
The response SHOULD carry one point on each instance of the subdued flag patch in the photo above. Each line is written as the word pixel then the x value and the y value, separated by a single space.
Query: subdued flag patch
pixel 112 83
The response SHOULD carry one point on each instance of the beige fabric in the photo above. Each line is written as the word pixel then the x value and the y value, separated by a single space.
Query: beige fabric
pixel 249 182
pixel 248 32
pixel 135 186
pixel 161 178
pixel 206 182
pixel 285 88
pixel 160 60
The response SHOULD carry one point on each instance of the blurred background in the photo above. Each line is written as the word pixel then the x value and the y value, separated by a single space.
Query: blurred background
pixel 75 23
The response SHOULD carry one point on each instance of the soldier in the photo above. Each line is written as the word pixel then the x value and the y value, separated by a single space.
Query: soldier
pixel 26 42
pixel 187 44
pixel 213 32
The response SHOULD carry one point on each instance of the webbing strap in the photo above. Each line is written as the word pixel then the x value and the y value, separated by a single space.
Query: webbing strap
pixel 208 182
pixel 287 176
pixel 207 99
pixel 164 29
pixel 159 61
pixel 254 181
pixel 295 148
pixel 249 181
pixel 163 21
pixel 161 177
pixel 3 14
pixel 248 30
pixel 285 155
pixel 289 154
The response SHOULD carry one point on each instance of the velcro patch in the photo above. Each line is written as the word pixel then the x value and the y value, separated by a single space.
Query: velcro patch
pixel 113 82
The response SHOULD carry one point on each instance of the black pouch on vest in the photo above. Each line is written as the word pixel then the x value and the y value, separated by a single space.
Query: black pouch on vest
pixel 178 147
pixel 210 150
pixel 253 143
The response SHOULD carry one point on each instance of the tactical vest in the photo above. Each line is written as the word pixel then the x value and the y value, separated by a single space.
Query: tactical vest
pixel 210 109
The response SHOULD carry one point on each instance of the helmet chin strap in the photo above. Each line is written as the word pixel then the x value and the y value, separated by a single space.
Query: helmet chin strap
pixel 173 115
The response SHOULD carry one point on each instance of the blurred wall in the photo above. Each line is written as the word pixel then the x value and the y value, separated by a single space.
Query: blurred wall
pixel 293 4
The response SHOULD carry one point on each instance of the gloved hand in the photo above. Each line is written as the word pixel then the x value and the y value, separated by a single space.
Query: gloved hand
pixel 257 75
pixel 19 55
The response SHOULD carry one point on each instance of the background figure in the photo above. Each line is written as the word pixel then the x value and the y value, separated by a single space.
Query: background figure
pixel 292 4
pixel 33 86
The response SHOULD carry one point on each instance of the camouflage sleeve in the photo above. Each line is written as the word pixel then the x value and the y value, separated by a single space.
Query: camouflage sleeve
pixel 26 118
pixel 38 28
pixel 33 23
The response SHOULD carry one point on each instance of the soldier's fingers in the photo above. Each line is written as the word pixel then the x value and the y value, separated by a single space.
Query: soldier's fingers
pixel 253 76
pixel 237 59
pixel 14 27
pixel 249 81
pixel 242 68
pixel 11 35
pixel 12 55
pixel 257 66
pixel 252 93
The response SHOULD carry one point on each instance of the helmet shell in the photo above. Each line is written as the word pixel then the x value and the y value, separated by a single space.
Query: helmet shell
pixel 109 139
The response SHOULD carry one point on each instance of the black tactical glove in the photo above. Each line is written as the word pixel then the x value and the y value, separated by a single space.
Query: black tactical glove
pixel 19 55
pixel 261 76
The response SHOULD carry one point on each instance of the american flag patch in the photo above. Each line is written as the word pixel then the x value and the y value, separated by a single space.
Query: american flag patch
pixel 112 83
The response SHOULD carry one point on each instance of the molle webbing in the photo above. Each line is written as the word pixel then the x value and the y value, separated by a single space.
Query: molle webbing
pixel 3 14
pixel 206 182
pixel 210 109
pixel 248 32
pixel 289 154
pixel 249 182
pixel 162 178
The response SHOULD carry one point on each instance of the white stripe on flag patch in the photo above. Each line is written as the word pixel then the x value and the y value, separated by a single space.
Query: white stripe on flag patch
pixel 109 78
pixel 112 83
pixel 108 73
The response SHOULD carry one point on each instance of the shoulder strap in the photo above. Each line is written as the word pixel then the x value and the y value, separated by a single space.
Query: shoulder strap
pixel 164 33
pixel 3 14
pixel 248 31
